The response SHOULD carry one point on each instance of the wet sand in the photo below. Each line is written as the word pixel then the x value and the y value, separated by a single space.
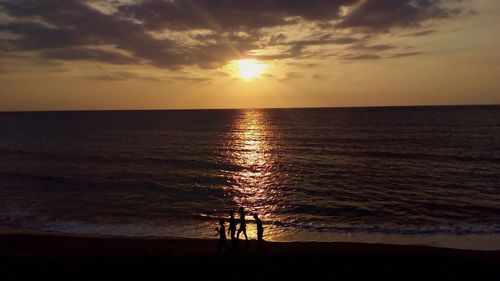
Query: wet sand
pixel 43 256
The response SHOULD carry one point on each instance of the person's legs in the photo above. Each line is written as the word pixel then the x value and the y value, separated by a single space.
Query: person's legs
pixel 245 233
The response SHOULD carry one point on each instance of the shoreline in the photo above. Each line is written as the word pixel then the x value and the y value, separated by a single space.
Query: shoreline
pixel 47 243
pixel 56 256
pixel 19 242
pixel 475 242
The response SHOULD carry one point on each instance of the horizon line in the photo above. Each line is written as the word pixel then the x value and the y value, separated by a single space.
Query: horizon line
pixel 248 108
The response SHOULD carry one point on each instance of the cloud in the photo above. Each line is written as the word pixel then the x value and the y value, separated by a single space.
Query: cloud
pixel 290 76
pixel 300 64
pixel 230 14
pixel 379 47
pixel 126 32
pixel 422 33
pixel 6 71
pixel 368 56
pixel 325 40
pixel 56 70
pixel 277 39
pixel 70 23
pixel 361 57
pixel 119 76
pixel 320 77
pixel 382 15
pixel 256 14
pixel 191 79
pixel 108 77
pixel 151 79
pixel 89 54
pixel 400 55
pixel 298 48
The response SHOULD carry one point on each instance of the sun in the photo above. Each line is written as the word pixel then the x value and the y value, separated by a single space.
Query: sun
pixel 250 68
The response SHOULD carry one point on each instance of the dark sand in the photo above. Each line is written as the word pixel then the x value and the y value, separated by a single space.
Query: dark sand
pixel 36 256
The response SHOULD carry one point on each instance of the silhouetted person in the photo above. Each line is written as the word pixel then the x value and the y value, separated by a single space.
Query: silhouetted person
pixel 221 232
pixel 260 229
pixel 232 225
pixel 243 224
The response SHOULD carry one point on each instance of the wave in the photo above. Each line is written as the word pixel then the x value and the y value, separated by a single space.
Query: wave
pixel 194 229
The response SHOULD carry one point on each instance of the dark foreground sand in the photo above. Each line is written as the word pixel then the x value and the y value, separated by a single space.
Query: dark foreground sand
pixel 33 256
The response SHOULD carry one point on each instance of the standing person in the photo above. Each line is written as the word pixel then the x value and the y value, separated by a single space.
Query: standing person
pixel 243 224
pixel 221 232
pixel 260 228
pixel 232 225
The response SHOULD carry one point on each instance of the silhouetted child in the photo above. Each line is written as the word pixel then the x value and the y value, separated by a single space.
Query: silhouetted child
pixel 232 225
pixel 221 232
pixel 243 224
pixel 260 228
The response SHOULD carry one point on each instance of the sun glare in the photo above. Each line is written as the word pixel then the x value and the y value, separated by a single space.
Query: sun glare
pixel 249 69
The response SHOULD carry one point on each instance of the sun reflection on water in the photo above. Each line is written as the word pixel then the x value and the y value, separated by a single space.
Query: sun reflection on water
pixel 251 147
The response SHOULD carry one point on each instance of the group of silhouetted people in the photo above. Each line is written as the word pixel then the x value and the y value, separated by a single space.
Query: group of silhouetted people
pixel 235 235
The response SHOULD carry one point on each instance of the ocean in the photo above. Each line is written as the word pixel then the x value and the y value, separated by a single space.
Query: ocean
pixel 382 174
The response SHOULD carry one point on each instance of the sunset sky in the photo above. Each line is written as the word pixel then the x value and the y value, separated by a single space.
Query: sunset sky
pixel 169 54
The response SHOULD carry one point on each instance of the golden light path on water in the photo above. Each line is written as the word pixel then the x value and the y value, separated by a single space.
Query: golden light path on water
pixel 251 146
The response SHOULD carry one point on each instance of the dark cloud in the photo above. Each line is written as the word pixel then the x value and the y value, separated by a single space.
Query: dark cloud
pixel 6 71
pixel 36 36
pixel 108 77
pixel 325 40
pixel 379 47
pixel 400 55
pixel 422 33
pixel 73 30
pixel 230 14
pixel 361 57
pixel 57 70
pixel 372 56
pixel 300 64
pixel 289 53
pixel 320 77
pixel 191 79
pixel 277 39
pixel 290 76
pixel 151 79
pixel 71 23
pixel 382 15
pixel 269 75
pixel 89 54
pixel 123 76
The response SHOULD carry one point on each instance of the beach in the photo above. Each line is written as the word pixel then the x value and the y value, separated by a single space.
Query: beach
pixel 34 255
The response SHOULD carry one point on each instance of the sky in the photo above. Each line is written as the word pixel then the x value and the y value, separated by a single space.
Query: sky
pixel 201 54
